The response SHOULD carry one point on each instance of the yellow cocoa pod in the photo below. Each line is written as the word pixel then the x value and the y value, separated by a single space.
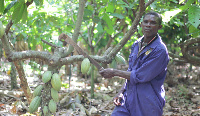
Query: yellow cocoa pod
pixel 1 29
pixel 56 82
pixel 45 110
pixel 85 66
pixel 52 106
pixel 35 103
pixel 8 72
pixel 4 54
pixel 46 76
pixel 37 91
pixel 54 95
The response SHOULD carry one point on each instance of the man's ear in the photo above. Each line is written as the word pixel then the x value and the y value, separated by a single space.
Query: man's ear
pixel 160 27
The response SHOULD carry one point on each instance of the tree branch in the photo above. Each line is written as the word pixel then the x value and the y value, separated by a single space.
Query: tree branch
pixel 195 60
pixel 52 45
pixel 78 24
pixel 30 54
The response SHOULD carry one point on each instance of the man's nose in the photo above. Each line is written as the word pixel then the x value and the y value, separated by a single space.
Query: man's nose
pixel 148 23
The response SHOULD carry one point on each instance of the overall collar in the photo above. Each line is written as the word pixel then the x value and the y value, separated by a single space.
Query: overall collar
pixel 149 46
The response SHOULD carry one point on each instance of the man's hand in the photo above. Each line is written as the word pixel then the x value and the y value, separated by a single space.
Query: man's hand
pixel 107 73
pixel 117 100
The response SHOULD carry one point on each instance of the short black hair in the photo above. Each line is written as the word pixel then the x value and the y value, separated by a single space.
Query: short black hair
pixel 155 14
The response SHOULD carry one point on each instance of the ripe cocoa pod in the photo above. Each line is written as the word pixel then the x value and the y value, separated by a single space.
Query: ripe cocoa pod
pixel 37 91
pixel 85 66
pixel 45 110
pixel 54 95
pixel 1 29
pixel 56 82
pixel 119 59
pixel 46 76
pixel 52 106
pixel 35 103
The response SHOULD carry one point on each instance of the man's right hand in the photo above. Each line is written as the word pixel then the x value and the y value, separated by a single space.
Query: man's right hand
pixel 117 100
pixel 107 73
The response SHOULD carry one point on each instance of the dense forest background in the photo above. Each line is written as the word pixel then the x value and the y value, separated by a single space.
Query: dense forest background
pixel 31 45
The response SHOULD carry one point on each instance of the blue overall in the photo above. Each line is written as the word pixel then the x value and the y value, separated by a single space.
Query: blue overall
pixel 144 93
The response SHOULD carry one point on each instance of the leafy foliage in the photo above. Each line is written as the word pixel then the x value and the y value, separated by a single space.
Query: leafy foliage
pixel 194 16
pixel 2 6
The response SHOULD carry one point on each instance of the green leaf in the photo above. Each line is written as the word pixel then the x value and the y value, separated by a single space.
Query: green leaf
pixel 109 27
pixel 96 19
pixel 117 15
pixel 168 15
pixel 181 1
pixel 18 12
pixel 194 31
pixel 2 6
pixel 25 14
pixel 99 27
pixel 41 2
pixel 9 6
pixel 37 2
pixel 87 12
pixel 194 15
pixel 105 1
pixel 110 8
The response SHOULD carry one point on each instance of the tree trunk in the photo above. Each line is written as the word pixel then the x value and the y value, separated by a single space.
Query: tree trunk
pixel 13 77
pixel 23 80
pixel 1 50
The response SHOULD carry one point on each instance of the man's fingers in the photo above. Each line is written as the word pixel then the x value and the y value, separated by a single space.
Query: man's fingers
pixel 117 102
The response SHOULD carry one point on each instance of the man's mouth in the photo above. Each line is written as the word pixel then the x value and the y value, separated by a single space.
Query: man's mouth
pixel 147 30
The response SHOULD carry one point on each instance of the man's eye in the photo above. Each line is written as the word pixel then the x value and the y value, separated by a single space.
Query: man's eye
pixel 153 22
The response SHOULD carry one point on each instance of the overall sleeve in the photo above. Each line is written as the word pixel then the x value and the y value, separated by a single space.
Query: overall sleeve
pixel 151 67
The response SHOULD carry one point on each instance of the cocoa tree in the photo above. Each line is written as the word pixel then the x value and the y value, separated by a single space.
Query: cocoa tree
pixel 60 56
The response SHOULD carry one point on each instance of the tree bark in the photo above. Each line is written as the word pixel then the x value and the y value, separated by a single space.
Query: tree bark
pixel 13 77
pixel 191 58
pixel 23 81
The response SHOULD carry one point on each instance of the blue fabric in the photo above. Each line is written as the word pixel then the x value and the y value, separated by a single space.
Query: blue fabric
pixel 144 92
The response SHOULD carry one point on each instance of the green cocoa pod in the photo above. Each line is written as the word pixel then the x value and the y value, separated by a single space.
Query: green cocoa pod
pixel 35 103
pixel 45 110
pixel 52 106
pixel 1 29
pixel 54 95
pixel 56 82
pixel 89 72
pixel 113 64
pixel 40 114
pixel 46 76
pixel 85 66
pixel 37 91
pixel 119 59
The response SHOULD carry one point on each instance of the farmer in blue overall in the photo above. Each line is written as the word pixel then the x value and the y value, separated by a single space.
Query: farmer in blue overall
pixel 143 93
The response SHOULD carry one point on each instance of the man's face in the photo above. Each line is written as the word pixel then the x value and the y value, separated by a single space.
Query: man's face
pixel 150 26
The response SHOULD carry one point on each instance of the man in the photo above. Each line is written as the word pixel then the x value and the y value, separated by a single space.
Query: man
pixel 143 92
